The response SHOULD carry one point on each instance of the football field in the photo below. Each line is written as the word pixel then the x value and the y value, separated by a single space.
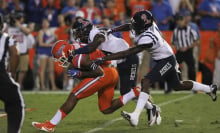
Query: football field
pixel 181 113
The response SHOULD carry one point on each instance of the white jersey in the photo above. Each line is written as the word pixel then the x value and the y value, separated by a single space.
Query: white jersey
pixel 20 37
pixel 111 44
pixel 160 49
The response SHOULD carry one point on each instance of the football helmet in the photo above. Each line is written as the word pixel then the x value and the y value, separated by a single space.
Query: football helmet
pixel 61 51
pixel 81 29
pixel 141 21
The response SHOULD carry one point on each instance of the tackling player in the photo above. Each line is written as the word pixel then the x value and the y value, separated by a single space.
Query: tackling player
pixel 102 80
pixel 148 37
pixel 98 38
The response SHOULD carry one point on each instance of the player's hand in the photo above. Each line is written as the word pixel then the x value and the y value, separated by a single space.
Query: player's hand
pixel 71 56
pixel 99 61
pixel 74 73
pixel 110 31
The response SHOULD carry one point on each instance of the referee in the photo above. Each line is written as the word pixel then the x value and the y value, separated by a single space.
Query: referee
pixel 10 90
pixel 184 38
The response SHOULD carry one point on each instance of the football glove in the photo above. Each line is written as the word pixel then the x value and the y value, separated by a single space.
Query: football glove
pixel 99 61
pixel 74 73
pixel 71 56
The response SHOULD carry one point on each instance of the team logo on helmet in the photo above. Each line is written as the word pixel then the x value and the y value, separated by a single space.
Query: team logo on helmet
pixel 144 17
pixel 85 23
pixel 60 51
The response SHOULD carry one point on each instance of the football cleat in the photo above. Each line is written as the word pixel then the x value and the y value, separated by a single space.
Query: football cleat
pixel 131 117
pixel 158 117
pixel 213 92
pixel 47 126
pixel 151 113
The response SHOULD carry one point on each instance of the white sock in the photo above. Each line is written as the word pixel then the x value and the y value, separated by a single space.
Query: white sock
pixel 149 105
pixel 201 87
pixel 127 97
pixel 57 117
pixel 142 100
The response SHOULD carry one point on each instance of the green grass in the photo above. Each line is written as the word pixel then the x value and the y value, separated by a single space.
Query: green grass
pixel 199 115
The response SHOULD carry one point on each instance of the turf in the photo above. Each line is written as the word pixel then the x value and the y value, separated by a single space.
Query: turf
pixel 197 112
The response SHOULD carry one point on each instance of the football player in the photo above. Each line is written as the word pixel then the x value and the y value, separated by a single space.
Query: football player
pixel 86 32
pixel 102 80
pixel 148 37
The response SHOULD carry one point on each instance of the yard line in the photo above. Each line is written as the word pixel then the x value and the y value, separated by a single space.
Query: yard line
pixel 108 123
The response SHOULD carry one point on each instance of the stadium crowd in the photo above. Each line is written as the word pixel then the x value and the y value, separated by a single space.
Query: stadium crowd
pixel 38 24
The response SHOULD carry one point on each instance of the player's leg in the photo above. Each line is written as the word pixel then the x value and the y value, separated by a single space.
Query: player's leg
pixel 85 88
pixel 14 103
pixel 127 71
pixel 196 86
pixel 106 104
pixel 158 72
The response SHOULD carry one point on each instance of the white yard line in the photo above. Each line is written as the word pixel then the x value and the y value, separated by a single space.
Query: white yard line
pixel 108 123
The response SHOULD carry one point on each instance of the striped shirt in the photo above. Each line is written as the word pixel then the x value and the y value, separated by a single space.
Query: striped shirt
pixel 184 37
pixel 5 43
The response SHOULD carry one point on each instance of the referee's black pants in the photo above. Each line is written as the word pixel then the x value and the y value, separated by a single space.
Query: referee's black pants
pixel 13 101
pixel 188 58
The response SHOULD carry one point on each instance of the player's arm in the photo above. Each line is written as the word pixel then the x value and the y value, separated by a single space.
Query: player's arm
pixel 121 28
pixel 86 62
pixel 91 47
pixel 132 50
pixel 86 71
pixel 14 60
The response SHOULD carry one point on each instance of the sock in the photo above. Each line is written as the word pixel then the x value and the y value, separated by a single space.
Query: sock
pixel 57 117
pixel 127 97
pixel 142 100
pixel 201 87
pixel 149 105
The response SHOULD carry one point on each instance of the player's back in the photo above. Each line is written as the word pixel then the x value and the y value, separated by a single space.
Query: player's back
pixel 160 48
pixel 111 44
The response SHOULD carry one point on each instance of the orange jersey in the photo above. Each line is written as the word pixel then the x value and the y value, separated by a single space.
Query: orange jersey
pixel 104 85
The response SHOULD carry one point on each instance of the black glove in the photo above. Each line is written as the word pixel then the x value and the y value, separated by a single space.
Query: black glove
pixel 99 61
pixel 71 56
pixel 96 63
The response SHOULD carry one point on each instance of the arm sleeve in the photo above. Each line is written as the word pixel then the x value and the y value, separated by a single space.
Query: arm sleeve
pixel 147 39
pixel 194 35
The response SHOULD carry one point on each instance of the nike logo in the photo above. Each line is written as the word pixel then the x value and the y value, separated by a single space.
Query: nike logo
pixel 47 129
